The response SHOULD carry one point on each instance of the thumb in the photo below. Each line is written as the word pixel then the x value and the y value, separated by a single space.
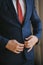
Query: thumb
pixel 28 38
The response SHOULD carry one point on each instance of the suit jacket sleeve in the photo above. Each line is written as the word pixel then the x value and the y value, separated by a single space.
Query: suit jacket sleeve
pixel 3 41
pixel 36 23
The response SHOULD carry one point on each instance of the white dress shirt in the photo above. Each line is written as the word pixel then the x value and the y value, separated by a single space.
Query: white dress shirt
pixel 22 5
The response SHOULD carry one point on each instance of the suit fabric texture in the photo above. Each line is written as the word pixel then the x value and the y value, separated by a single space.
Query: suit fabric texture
pixel 11 28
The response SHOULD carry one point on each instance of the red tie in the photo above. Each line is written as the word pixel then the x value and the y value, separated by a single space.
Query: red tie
pixel 19 10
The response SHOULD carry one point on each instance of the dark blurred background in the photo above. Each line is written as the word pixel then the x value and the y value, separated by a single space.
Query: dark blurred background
pixel 39 48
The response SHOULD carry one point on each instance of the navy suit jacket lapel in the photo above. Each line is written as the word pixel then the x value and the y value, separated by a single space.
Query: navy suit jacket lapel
pixel 11 7
pixel 28 8
pixel 13 11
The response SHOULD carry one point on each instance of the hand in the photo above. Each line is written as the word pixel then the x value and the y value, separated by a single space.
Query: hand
pixel 30 42
pixel 15 46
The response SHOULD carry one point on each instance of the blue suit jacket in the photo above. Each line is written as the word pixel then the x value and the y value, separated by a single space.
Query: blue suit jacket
pixel 10 28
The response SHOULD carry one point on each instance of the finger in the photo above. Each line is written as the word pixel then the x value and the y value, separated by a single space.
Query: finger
pixel 26 41
pixel 28 38
pixel 20 49
pixel 21 45
pixel 17 52
pixel 27 44
pixel 29 49
pixel 15 41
